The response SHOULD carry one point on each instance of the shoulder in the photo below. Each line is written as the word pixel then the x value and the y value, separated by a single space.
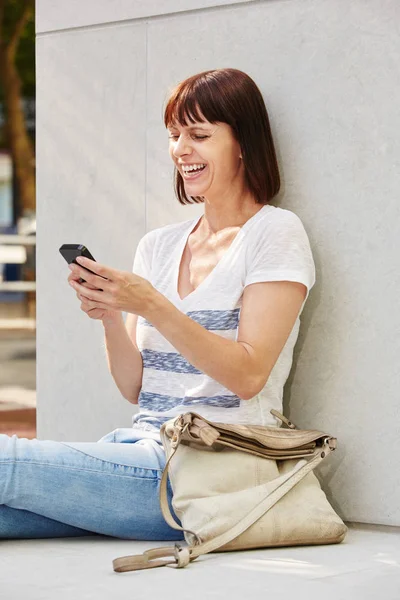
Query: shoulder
pixel 280 248
pixel 280 218
pixel 278 226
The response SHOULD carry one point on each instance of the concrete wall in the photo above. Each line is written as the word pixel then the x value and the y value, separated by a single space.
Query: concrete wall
pixel 329 74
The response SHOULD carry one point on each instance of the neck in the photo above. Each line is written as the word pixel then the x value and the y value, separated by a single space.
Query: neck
pixel 217 218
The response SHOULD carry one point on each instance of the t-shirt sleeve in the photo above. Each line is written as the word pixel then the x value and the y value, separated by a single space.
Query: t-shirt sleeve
pixel 143 257
pixel 281 252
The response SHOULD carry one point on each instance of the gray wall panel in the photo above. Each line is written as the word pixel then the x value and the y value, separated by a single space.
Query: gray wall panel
pixel 90 190
pixel 329 74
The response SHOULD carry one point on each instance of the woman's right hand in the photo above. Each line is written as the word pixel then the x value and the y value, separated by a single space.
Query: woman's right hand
pixel 94 313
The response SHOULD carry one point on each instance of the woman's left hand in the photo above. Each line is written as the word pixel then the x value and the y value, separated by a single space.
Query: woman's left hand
pixel 121 290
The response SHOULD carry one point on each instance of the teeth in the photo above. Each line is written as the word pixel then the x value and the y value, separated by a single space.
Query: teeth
pixel 193 167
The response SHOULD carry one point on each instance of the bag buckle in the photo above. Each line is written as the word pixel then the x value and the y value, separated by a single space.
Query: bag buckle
pixel 180 427
pixel 328 445
pixel 182 557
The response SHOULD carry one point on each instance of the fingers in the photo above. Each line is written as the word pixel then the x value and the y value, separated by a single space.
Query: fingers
pixel 87 285
pixel 86 305
pixel 83 298
pixel 76 278
pixel 94 267
pixel 72 277
pixel 96 281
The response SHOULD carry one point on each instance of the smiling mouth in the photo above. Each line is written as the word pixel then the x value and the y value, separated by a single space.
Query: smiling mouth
pixel 193 174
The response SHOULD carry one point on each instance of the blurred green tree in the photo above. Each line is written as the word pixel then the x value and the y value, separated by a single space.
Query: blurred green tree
pixel 17 82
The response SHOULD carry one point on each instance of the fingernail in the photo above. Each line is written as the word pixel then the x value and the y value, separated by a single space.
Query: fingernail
pixel 70 267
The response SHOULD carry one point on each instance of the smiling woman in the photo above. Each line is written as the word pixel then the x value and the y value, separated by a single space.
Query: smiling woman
pixel 241 271
pixel 213 306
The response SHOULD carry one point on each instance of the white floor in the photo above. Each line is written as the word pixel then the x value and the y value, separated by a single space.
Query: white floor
pixel 365 565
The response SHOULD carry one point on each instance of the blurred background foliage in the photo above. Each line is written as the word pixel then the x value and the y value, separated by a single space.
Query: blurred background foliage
pixel 25 54
pixel 17 101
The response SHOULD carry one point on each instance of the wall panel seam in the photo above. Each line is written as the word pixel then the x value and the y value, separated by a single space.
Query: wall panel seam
pixel 146 123
pixel 147 18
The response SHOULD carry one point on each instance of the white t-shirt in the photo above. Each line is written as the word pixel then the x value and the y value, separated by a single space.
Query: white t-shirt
pixel 272 245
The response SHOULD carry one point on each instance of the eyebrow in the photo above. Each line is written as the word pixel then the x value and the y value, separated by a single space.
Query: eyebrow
pixel 189 128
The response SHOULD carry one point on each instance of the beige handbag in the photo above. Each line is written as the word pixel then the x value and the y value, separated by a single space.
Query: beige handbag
pixel 237 487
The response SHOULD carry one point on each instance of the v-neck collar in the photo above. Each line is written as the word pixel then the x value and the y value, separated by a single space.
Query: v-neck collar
pixel 181 246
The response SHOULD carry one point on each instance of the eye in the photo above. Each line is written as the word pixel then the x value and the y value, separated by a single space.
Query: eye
pixel 198 137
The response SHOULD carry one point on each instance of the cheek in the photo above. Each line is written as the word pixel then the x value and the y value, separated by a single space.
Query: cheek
pixel 227 157
pixel 226 164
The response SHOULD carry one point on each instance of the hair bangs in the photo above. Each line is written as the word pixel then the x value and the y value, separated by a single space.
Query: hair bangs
pixel 190 104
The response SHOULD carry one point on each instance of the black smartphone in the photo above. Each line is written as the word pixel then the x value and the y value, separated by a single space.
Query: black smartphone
pixel 71 251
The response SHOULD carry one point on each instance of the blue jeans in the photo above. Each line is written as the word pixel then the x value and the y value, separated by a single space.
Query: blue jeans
pixel 66 489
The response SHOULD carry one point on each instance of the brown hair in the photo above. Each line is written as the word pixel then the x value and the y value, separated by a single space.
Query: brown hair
pixel 229 96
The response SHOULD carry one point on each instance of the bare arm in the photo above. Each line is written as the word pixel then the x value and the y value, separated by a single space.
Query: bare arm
pixel 123 357
pixel 269 311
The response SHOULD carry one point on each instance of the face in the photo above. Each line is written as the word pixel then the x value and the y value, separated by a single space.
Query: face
pixel 211 146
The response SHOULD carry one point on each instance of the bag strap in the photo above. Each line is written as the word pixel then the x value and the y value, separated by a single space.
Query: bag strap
pixel 282 418
pixel 271 491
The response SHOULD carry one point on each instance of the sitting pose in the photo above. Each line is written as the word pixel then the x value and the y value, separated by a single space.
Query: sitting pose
pixel 213 306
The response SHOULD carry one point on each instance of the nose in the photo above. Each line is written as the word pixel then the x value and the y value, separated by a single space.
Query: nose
pixel 181 147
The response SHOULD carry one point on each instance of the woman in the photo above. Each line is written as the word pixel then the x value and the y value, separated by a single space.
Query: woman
pixel 213 306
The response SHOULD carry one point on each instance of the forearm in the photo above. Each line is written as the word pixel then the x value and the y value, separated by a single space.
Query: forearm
pixel 124 359
pixel 226 361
